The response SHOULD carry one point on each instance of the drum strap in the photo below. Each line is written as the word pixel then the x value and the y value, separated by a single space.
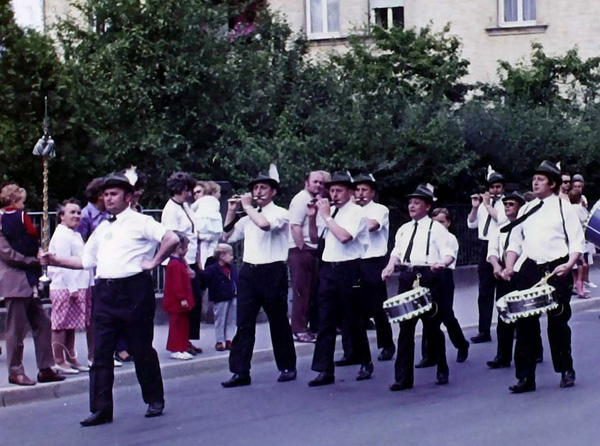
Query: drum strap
pixel 563 222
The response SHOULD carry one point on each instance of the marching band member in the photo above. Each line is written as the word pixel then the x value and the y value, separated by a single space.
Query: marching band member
pixel 339 278
pixel 487 213
pixel 421 250
pixel 496 255
pixel 263 279
pixel 373 262
pixel 550 237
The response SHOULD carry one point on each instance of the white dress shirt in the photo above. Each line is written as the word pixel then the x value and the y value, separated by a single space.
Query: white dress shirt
pixel 351 217
pixel 378 239
pixel 452 245
pixel 298 208
pixel 179 217
pixel 262 247
pixel 482 215
pixel 117 248
pixel 67 242
pixel 497 244
pixel 542 237
pixel 438 242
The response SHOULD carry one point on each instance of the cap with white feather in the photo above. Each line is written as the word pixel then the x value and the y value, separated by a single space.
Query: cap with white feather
pixel 494 177
pixel 271 178
pixel 424 191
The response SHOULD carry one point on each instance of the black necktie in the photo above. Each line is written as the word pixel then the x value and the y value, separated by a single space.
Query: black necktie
pixel 522 218
pixel 112 218
pixel 486 228
pixel 335 211
pixel 259 210
pixel 410 244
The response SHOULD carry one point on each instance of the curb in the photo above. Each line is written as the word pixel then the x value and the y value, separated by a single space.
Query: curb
pixel 10 396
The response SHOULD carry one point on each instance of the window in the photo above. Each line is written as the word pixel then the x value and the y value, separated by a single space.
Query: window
pixel 388 17
pixel 323 18
pixel 513 13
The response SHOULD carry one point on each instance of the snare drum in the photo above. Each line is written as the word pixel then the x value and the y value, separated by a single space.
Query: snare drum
pixel 526 303
pixel 592 226
pixel 408 305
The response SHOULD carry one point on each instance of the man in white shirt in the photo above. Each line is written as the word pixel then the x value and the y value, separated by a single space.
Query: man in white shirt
pixel 263 280
pixel 550 237
pixel 303 259
pixel 486 214
pixel 496 255
pixel 421 249
pixel 374 260
pixel 122 249
pixel 346 240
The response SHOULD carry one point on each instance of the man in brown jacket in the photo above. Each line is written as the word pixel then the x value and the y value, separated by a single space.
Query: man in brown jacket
pixel 23 309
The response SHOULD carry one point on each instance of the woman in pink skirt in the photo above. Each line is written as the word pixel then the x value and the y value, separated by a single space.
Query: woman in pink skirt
pixel 70 292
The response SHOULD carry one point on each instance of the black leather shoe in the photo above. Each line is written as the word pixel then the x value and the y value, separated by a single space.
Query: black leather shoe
pixel 387 354
pixel 155 409
pixel 97 418
pixel 322 379
pixel 462 354
pixel 346 361
pixel 568 379
pixel 498 363
pixel 481 337
pixel 424 363
pixel 441 378
pixel 365 372
pixel 522 386
pixel 287 375
pixel 237 381
pixel 400 385
pixel 49 376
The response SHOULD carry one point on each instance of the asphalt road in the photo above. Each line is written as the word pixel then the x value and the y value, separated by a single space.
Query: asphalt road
pixel 474 409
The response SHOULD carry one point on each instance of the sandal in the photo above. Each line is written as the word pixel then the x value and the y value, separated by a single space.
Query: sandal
pixel 219 347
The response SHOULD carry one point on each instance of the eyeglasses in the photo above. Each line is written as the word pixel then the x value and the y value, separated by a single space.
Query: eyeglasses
pixel 196 192
pixel 566 181
pixel 510 203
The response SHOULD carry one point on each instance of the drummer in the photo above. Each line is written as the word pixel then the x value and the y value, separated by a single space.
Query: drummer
pixel 421 250
pixel 551 239
pixel 496 255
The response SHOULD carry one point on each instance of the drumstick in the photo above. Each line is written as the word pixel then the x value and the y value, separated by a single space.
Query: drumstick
pixel 544 280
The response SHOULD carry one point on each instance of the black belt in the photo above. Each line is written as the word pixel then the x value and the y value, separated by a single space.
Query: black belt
pixel 344 263
pixel 259 265
pixel 374 259
pixel 549 266
pixel 412 269
pixel 122 280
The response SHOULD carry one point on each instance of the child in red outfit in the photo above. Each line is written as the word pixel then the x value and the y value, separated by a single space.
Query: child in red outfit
pixel 178 300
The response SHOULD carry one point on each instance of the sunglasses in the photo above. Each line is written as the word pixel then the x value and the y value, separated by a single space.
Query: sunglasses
pixel 510 203
pixel 566 181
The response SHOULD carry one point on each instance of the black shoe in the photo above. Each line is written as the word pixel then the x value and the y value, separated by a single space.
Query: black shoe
pixel 387 354
pixel 462 354
pixel 97 418
pixel 498 363
pixel 365 372
pixel 322 379
pixel 400 385
pixel 424 363
pixel 346 361
pixel 568 379
pixel 522 386
pixel 441 378
pixel 287 375
pixel 155 409
pixel 127 358
pixel 481 337
pixel 237 381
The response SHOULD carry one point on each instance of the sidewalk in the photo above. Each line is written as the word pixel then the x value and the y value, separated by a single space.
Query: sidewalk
pixel 465 308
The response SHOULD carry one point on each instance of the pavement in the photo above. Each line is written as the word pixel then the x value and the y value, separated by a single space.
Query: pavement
pixel 465 307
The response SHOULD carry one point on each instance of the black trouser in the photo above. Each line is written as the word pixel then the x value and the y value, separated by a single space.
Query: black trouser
pixel 449 320
pixel 559 333
pixel 124 307
pixel 195 314
pixel 263 286
pixel 374 293
pixel 487 289
pixel 436 343
pixel 339 286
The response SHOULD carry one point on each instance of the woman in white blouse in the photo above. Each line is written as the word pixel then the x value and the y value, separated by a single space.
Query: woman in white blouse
pixel 70 292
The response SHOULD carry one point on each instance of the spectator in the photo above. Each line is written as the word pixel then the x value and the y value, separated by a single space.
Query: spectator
pixel 209 221
pixel 221 279
pixel 70 292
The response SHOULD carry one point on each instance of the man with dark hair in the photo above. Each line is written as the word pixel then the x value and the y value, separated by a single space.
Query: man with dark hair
pixel 94 211
pixel 123 248
pixel 550 237
pixel 486 214
pixel 303 260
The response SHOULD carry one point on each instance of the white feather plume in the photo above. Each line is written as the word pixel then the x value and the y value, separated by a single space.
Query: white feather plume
pixel 558 166
pixel 490 171
pixel 273 173
pixel 431 188
pixel 131 175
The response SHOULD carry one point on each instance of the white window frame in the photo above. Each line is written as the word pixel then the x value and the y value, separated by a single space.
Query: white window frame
pixel 520 12
pixel 385 4
pixel 325 34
